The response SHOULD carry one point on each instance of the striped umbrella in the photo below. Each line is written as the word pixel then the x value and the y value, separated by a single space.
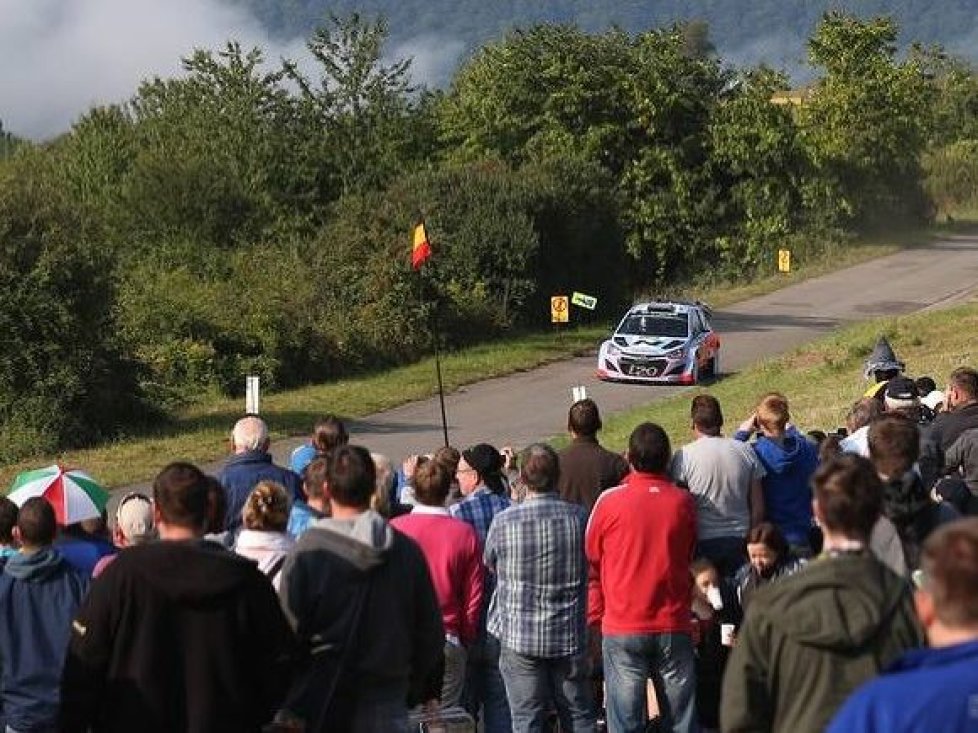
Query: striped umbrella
pixel 74 495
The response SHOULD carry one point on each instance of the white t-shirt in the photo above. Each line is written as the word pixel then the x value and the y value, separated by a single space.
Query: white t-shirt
pixel 718 472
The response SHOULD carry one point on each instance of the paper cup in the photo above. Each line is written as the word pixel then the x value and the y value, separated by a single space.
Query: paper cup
pixel 727 634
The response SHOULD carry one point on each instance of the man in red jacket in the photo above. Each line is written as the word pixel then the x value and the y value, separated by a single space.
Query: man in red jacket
pixel 639 544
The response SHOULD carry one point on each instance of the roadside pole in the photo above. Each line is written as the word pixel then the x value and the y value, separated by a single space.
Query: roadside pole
pixel 252 395
pixel 421 252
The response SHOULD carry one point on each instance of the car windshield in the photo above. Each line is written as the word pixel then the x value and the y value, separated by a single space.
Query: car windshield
pixel 676 326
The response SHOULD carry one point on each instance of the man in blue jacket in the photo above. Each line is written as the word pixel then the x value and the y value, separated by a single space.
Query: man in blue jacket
pixel 39 595
pixel 935 688
pixel 789 460
pixel 250 464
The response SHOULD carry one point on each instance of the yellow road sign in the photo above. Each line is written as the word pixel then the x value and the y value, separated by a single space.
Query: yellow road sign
pixel 784 260
pixel 559 309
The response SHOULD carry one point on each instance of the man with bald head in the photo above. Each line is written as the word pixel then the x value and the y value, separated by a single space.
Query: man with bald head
pixel 250 464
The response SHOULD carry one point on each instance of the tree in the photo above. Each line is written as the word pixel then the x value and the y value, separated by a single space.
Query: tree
pixel 671 198
pixel 865 126
pixel 954 112
pixel 759 160
pixel 64 380
pixel 213 152
pixel 952 176
pixel 357 116
pixel 551 90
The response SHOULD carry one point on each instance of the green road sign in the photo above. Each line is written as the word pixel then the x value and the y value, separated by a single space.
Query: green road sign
pixel 584 301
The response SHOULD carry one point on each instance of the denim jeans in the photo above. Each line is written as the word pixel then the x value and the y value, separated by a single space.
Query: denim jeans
pixel 454 680
pixel 484 688
pixel 669 660
pixel 537 686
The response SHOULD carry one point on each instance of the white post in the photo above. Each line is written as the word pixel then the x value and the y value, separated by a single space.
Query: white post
pixel 252 395
pixel 578 393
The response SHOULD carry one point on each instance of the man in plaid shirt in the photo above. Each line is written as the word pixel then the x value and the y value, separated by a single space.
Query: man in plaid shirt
pixel 536 550
pixel 480 479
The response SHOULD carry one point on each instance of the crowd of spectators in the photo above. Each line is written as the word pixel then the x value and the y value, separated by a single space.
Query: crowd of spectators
pixel 771 580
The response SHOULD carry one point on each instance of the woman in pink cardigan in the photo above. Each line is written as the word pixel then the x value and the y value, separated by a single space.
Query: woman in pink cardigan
pixel 452 550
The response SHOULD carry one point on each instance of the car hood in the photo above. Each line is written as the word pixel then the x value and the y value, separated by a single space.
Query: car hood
pixel 648 344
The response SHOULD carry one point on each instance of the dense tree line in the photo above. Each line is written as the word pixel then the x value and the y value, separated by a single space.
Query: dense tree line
pixel 252 219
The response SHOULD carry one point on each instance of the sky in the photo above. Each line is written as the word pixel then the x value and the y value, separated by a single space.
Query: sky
pixel 58 58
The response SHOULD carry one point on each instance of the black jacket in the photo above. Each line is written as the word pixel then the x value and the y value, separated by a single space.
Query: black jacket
pixel 943 432
pixel 908 505
pixel 177 636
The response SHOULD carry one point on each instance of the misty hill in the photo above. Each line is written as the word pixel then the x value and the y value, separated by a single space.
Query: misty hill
pixel 743 31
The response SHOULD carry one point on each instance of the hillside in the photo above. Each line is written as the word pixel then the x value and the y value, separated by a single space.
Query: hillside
pixel 744 31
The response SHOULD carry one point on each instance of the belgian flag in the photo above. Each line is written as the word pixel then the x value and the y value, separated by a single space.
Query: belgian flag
pixel 421 246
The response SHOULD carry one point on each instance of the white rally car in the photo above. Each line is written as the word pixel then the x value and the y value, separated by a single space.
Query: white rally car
pixel 662 342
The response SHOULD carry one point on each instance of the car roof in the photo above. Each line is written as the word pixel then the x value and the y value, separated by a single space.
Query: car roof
pixel 664 307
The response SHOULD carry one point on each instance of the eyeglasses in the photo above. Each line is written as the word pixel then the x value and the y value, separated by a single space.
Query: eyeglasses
pixel 464 470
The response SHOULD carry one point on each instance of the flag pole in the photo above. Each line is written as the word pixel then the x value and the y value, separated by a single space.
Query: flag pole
pixel 425 242
pixel 441 390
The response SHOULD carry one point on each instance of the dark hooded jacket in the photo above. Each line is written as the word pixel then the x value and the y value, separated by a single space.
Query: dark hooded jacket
pixel 398 641
pixel 946 429
pixel 908 505
pixel 177 636
pixel 810 640
pixel 39 595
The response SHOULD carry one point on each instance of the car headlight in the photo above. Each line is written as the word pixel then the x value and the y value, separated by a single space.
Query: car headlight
pixel 679 353
pixel 613 350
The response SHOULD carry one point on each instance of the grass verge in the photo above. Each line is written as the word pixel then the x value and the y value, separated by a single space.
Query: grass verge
pixel 821 379
pixel 199 433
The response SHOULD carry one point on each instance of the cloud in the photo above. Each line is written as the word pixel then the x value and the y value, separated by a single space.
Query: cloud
pixel 60 57
pixel 784 52
pixel 964 45
pixel 433 60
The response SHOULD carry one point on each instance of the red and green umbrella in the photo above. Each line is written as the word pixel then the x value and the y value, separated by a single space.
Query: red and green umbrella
pixel 74 494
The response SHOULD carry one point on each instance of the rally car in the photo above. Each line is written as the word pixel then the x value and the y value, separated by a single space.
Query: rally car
pixel 662 341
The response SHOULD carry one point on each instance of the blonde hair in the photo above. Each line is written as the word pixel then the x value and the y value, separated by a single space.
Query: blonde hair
pixel 267 508
pixel 772 412
pixel 380 499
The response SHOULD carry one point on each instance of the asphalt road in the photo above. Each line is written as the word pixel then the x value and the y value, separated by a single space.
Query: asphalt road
pixel 531 405
pixel 524 407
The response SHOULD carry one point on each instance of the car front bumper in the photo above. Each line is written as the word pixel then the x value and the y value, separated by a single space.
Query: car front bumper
pixel 652 369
